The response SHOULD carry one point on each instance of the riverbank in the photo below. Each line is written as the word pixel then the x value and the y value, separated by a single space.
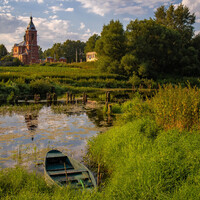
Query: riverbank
pixel 152 152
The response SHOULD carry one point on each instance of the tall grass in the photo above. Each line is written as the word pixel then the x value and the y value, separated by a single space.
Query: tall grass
pixel 19 184
pixel 145 162
pixel 176 107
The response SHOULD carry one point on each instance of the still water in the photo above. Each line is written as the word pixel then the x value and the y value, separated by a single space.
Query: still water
pixel 26 137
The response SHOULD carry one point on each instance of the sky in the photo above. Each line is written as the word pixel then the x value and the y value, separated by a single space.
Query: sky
pixel 59 20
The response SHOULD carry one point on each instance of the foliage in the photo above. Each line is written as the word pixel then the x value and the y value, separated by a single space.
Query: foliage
pixel 176 107
pixel 8 60
pixel 154 45
pixel 111 46
pixel 77 77
pixel 41 86
pixel 69 49
pixel 19 184
pixel 178 18
pixel 135 80
pixel 129 64
pixel 3 51
pixel 90 44
pixel 146 163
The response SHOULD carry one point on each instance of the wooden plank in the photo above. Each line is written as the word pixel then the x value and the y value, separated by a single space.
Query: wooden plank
pixel 60 172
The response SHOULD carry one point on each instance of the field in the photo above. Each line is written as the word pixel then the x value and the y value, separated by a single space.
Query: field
pixel 25 81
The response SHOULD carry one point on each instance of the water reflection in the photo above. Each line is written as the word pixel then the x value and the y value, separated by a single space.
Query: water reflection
pixel 32 123
pixel 25 137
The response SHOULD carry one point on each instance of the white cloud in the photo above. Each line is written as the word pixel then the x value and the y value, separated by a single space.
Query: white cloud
pixel 133 7
pixel 82 25
pixel 127 19
pixel 38 1
pixel 88 30
pixel 57 9
pixel 50 31
pixel 193 5
pixel 6 9
pixel 132 10
pixel 53 17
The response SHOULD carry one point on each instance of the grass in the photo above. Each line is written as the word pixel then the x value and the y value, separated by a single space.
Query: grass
pixel 19 184
pixel 25 81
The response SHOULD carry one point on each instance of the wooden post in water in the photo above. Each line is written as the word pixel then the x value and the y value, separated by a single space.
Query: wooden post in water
pixel 70 97
pixel 16 99
pixel 107 99
pixel 54 98
pixel 109 109
pixel 67 98
pixel 26 100
pixel 84 98
pixel 73 98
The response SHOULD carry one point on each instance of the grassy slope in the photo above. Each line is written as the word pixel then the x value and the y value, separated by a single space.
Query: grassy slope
pixel 77 78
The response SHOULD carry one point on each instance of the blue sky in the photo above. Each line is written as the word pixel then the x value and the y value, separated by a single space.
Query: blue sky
pixel 59 20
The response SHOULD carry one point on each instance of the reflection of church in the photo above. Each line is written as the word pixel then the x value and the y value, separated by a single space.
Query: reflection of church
pixel 32 123
pixel 27 51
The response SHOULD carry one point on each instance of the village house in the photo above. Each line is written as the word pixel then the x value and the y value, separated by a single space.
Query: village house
pixel 49 59
pixel 27 51
pixel 62 59
pixel 91 56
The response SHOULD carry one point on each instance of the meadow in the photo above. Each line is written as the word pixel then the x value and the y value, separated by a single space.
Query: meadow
pixel 152 152
pixel 25 81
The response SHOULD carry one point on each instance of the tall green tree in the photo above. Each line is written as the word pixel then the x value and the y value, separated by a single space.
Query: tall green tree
pixel 69 49
pixel 178 18
pixel 90 44
pixel 73 50
pixel 155 47
pixel 3 51
pixel 110 47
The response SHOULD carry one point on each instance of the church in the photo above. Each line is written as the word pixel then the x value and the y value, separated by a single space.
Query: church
pixel 27 51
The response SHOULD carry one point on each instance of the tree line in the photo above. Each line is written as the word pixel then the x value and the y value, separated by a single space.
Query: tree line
pixel 150 48
pixel 73 51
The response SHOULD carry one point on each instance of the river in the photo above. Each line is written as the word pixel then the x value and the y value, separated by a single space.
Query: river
pixel 26 137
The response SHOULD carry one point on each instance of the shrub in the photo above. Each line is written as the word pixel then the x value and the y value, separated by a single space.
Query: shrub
pixel 176 107
pixel 40 86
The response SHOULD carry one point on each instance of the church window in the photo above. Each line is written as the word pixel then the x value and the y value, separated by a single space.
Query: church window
pixel 32 36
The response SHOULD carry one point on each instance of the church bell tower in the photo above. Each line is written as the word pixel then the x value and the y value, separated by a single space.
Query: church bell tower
pixel 31 42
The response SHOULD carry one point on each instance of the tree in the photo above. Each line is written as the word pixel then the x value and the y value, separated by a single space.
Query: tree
pixel 155 45
pixel 3 51
pixel 73 50
pixel 69 49
pixel 196 44
pixel 41 54
pixel 129 64
pixel 111 44
pixel 178 18
pixel 90 44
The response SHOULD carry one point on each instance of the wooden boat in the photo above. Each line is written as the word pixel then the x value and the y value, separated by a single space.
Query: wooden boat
pixel 62 170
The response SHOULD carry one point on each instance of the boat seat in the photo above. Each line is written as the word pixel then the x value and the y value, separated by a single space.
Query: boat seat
pixel 62 171
pixel 58 167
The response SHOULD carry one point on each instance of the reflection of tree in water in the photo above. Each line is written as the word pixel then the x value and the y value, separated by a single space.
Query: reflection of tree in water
pixel 32 123
pixel 98 118
pixel 95 115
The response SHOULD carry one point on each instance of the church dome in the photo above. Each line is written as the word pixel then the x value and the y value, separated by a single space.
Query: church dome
pixel 31 26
